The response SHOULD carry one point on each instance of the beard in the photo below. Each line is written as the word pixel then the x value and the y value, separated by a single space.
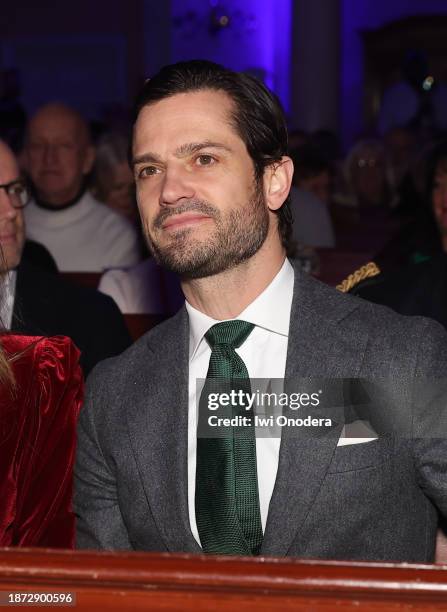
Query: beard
pixel 238 234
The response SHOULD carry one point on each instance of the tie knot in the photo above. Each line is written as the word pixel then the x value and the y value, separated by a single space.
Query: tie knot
pixel 232 333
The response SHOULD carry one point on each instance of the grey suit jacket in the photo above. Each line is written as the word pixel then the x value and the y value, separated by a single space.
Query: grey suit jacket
pixel 375 501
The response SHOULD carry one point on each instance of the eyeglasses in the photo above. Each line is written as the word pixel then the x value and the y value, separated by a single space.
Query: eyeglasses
pixel 18 193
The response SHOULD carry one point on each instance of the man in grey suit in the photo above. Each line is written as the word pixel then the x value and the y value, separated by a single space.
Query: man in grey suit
pixel 213 176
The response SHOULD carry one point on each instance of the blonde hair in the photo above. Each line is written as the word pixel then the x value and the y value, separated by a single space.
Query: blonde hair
pixel 6 375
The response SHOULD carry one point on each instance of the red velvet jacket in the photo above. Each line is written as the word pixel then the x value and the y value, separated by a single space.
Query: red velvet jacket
pixel 37 442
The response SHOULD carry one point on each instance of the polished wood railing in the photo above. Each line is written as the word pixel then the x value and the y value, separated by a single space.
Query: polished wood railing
pixel 145 581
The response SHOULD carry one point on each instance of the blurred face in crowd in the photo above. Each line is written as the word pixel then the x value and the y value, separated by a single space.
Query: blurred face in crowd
pixel 58 153
pixel 12 229
pixel 368 176
pixel 202 209
pixel 439 195
pixel 118 191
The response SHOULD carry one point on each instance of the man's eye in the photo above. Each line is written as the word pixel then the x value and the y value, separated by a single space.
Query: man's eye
pixel 16 189
pixel 148 171
pixel 205 160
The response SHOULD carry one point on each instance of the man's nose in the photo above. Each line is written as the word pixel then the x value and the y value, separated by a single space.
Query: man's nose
pixel 177 185
pixel 49 154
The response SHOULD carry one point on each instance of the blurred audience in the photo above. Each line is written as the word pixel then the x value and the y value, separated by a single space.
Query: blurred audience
pixel 82 234
pixel 113 182
pixel 327 144
pixel 400 150
pixel 12 113
pixel 417 101
pixel 416 289
pixel 438 188
pixel 365 179
pixel 423 231
pixel 312 172
pixel 37 302
pixel 312 225
pixel 362 199
pixel 298 138
pixel 414 277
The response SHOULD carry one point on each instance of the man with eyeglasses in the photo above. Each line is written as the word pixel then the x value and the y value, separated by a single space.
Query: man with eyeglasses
pixel 13 197
pixel 35 302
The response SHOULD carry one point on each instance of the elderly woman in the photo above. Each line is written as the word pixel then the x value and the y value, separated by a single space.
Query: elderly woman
pixel 365 176
pixel 113 181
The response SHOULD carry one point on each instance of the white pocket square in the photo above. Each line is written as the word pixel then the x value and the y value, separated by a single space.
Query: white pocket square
pixel 357 432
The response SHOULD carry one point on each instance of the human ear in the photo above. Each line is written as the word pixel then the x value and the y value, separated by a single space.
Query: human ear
pixel 277 182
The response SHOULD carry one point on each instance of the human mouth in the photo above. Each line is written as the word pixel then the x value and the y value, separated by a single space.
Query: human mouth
pixel 183 220
pixel 7 239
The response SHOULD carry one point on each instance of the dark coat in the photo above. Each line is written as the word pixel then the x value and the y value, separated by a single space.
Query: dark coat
pixel 374 500
pixel 419 289
pixel 47 305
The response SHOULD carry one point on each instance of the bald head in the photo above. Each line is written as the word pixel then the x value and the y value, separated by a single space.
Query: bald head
pixel 12 230
pixel 56 114
pixel 58 153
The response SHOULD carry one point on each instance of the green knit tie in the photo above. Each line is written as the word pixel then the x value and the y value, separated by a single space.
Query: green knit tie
pixel 227 501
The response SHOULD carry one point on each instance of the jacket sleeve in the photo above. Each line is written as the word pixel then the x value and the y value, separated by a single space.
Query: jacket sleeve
pixel 99 521
pixel 430 414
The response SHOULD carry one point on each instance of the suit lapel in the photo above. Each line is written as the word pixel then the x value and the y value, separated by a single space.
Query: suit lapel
pixel 32 304
pixel 18 315
pixel 319 346
pixel 158 428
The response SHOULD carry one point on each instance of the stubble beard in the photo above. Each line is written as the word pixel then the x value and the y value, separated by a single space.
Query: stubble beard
pixel 237 236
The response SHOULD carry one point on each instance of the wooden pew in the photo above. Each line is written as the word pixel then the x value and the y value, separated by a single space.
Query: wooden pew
pixel 146 581
pixel 85 279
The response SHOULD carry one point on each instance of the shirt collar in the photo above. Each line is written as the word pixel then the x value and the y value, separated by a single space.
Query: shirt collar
pixel 8 289
pixel 270 310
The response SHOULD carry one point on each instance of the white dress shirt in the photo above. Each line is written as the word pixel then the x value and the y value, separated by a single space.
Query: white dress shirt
pixel 8 292
pixel 264 353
